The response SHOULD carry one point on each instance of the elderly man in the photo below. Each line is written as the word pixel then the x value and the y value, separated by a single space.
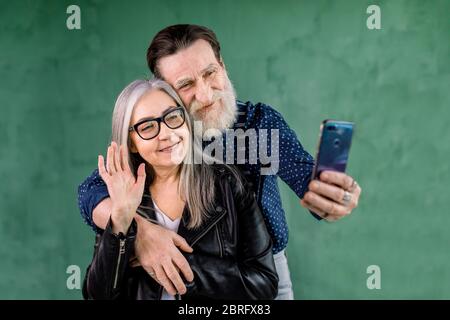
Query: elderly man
pixel 188 57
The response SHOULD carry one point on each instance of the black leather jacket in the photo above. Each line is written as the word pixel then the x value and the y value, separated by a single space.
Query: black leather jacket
pixel 232 257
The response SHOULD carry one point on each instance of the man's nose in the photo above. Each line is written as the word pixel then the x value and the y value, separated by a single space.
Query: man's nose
pixel 204 93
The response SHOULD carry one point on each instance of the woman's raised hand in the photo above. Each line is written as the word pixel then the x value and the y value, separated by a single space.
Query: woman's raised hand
pixel 124 189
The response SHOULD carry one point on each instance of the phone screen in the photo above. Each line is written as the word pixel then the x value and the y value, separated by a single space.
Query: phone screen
pixel 334 146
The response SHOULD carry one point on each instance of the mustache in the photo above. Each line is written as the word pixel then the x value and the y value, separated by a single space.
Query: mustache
pixel 196 106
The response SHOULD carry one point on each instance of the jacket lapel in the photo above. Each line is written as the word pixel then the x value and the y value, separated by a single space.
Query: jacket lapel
pixel 147 210
pixel 193 235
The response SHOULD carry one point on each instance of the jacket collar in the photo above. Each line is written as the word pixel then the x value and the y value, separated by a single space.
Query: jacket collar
pixel 147 210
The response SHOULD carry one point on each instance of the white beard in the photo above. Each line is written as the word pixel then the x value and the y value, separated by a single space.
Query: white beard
pixel 219 117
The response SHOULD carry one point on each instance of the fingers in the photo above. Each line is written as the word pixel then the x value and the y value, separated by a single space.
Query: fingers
pixel 325 205
pixel 110 165
pixel 168 276
pixel 342 181
pixel 162 279
pixel 101 168
pixel 124 159
pixel 356 193
pixel 158 251
pixel 117 158
pixel 317 211
pixel 174 277
pixel 180 260
pixel 182 264
pixel 140 181
pixel 327 190
pixel 181 243
pixel 337 178
pixel 141 175
pixel 324 215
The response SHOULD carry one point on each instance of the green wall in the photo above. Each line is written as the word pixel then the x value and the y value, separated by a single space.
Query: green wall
pixel 311 60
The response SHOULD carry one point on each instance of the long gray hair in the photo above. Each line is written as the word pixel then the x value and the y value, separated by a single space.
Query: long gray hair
pixel 196 181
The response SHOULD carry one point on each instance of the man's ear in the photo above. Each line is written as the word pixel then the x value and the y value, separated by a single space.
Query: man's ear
pixel 221 63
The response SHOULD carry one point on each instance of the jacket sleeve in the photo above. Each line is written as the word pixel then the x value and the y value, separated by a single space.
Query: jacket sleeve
pixel 90 193
pixel 249 275
pixel 106 274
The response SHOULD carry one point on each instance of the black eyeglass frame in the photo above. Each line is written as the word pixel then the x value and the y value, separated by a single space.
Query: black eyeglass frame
pixel 159 120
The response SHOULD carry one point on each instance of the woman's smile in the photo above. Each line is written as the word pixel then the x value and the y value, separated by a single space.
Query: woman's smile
pixel 170 148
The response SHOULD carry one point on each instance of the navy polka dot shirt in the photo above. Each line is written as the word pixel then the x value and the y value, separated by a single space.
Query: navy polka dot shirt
pixel 294 166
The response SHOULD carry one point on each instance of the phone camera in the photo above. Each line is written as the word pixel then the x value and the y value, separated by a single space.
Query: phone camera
pixel 331 128
pixel 336 143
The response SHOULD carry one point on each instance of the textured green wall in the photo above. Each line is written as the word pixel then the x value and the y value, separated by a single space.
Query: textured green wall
pixel 309 59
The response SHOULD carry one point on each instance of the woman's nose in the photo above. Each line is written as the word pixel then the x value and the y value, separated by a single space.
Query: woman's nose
pixel 164 132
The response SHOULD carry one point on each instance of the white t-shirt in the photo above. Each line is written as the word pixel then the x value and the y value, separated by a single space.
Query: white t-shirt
pixel 167 223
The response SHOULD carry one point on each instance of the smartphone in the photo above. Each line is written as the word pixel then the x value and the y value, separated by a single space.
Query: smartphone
pixel 334 146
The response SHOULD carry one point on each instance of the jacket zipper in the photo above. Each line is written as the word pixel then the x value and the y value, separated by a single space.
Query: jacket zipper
pixel 220 241
pixel 121 252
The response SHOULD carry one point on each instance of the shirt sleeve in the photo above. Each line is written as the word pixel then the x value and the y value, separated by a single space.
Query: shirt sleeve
pixel 90 193
pixel 295 164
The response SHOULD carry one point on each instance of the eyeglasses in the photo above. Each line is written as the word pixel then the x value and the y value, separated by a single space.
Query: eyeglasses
pixel 149 128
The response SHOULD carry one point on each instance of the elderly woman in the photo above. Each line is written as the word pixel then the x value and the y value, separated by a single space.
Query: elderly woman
pixel 150 170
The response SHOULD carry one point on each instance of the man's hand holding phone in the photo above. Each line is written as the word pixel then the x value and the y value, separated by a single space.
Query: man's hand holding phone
pixel 327 196
pixel 332 193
